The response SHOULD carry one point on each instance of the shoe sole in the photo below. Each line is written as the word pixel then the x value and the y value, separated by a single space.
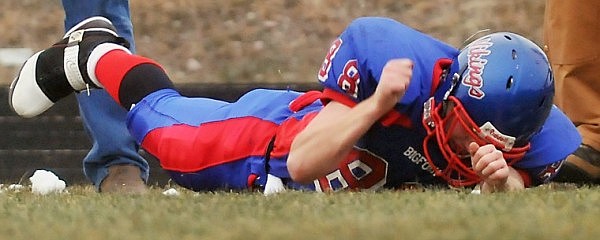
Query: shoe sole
pixel 42 102
pixel 36 94
pixel 88 20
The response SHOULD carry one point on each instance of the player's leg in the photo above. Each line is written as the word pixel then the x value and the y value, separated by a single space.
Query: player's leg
pixel 571 29
pixel 171 127
pixel 199 155
pixel 54 73
pixel 71 65
pixel 113 163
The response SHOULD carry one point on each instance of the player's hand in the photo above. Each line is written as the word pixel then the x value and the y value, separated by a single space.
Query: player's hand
pixel 394 81
pixel 489 163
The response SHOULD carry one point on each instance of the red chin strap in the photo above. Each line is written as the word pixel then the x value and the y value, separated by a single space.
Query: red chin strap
pixel 458 171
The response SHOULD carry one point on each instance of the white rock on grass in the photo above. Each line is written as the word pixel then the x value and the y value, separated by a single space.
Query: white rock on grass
pixel 44 182
pixel 171 192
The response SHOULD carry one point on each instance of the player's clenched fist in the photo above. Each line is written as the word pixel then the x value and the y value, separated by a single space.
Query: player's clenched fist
pixel 489 163
pixel 394 81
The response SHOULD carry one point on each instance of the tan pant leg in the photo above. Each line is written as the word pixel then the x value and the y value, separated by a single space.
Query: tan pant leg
pixel 571 33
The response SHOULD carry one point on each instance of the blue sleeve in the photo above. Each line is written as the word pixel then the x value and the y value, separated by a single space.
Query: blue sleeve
pixel 355 61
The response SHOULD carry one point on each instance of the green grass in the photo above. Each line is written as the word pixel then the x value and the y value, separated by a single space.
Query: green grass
pixel 549 212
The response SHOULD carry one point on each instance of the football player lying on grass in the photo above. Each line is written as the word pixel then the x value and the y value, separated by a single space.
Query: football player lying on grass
pixel 397 107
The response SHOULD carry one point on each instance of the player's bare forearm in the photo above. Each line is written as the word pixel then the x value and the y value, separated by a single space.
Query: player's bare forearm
pixel 330 136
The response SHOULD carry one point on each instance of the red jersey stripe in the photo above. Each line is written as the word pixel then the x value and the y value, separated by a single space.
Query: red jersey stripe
pixel 188 148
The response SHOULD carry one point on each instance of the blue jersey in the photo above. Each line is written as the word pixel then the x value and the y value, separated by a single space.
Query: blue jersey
pixel 350 74
pixel 207 144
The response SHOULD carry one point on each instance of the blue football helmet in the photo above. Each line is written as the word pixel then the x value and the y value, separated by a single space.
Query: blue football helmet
pixel 500 93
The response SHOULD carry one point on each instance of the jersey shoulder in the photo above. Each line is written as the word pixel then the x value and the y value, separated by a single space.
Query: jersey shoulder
pixel 554 142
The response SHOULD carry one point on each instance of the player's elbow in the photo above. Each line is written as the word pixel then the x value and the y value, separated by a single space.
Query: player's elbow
pixel 298 171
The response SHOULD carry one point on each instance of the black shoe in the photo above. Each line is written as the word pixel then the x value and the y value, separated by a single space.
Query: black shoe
pixel 581 167
pixel 56 72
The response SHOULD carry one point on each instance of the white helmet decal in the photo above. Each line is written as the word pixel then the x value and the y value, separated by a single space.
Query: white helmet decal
pixel 476 65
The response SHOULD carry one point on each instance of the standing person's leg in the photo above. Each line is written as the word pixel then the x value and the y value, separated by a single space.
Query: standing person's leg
pixel 571 29
pixel 113 163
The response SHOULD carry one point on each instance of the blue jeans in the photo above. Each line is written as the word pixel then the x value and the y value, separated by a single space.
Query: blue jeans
pixel 103 119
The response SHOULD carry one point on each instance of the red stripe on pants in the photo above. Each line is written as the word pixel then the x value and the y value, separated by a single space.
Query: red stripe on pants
pixel 188 148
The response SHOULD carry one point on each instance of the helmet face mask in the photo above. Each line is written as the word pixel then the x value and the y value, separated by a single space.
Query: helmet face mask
pixel 453 132
pixel 501 94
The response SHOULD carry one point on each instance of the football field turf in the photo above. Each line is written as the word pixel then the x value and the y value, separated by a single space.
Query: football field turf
pixel 548 212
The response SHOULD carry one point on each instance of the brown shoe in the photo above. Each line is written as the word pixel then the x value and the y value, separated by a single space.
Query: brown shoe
pixel 123 179
pixel 582 167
